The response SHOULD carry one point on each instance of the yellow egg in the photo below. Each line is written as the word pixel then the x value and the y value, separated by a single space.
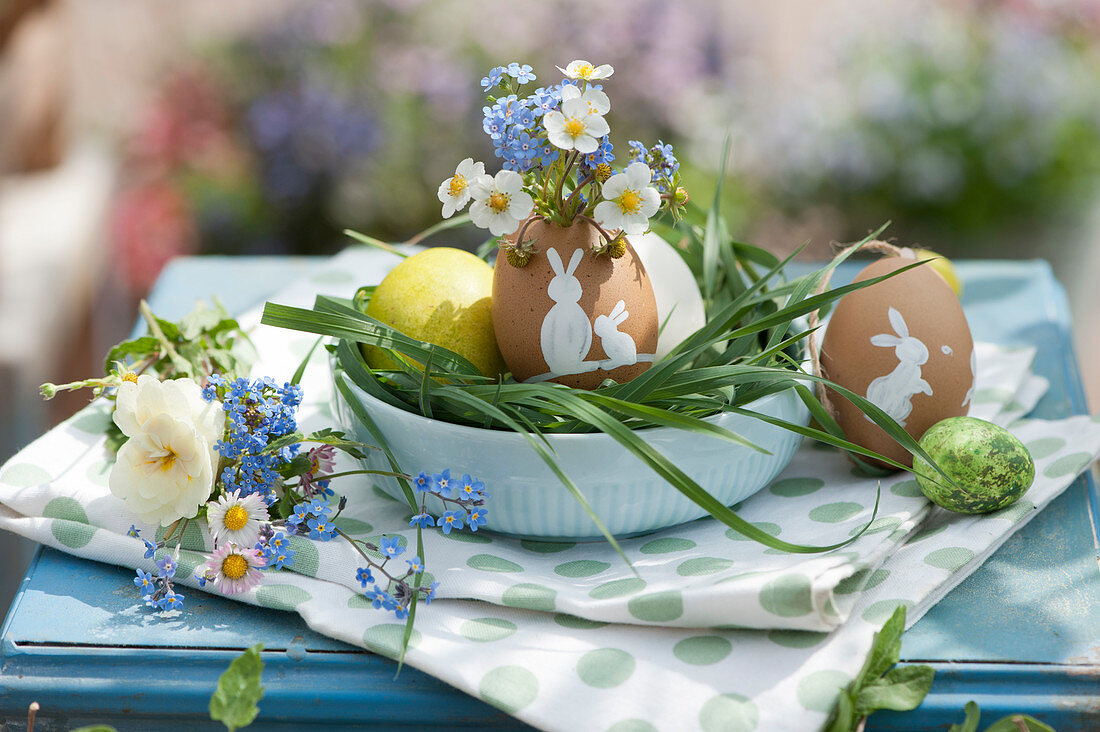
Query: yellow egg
pixel 943 266
pixel 441 296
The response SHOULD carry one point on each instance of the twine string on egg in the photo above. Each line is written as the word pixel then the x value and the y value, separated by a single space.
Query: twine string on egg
pixel 815 359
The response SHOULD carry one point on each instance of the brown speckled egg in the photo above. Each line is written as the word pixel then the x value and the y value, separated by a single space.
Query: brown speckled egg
pixel 571 316
pixel 905 345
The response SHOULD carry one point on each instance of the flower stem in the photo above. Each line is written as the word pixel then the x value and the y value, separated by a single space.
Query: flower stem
pixel 569 160
pixel 577 190
pixel 607 237
pixel 387 473
pixel 523 230
pixel 154 328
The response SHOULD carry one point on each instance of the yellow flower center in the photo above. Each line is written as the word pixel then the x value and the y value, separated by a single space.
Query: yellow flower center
pixel 234 566
pixel 235 518
pixel 163 461
pixel 574 127
pixel 630 201
pixel 585 70
pixel 458 185
pixel 499 201
pixel 130 376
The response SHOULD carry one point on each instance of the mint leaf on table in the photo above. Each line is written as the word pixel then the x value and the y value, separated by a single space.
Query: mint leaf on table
pixel 1011 723
pixel 234 701
pixel 1019 723
pixel 970 723
pixel 879 685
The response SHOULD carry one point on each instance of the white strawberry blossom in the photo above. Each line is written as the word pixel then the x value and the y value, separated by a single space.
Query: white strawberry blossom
pixel 597 101
pixel 576 126
pixel 580 69
pixel 454 193
pixel 500 203
pixel 629 200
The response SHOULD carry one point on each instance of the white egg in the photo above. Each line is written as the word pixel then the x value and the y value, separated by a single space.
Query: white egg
pixel 680 310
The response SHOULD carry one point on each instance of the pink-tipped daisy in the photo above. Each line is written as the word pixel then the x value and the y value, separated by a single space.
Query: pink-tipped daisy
pixel 235 570
pixel 237 520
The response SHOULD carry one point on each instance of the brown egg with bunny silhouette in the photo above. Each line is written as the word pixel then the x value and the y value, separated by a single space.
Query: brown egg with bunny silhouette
pixel 572 316
pixel 905 345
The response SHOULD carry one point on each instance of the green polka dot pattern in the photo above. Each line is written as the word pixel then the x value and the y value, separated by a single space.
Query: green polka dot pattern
pixel 487 630
pixel 605 668
pixel 729 713
pixel 702 650
pixel 510 688
pixel 282 597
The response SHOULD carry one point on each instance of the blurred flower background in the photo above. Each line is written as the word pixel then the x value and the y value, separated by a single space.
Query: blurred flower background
pixel 136 132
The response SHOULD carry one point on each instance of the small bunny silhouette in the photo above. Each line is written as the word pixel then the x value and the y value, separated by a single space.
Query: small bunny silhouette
pixel 893 393
pixel 619 347
pixel 566 333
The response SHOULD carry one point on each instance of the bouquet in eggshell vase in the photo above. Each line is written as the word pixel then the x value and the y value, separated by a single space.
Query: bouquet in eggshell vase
pixel 572 302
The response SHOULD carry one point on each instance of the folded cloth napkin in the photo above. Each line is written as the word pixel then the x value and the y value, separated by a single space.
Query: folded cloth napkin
pixel 546 624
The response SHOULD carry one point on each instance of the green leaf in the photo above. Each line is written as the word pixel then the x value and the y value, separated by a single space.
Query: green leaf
pixel 900 689
pixel 712 237
pixel 234 701
pixel 298 372
pixel 1012 723
pixel 96 728
pixel 970 723
pixel 138 347
pixel 844 716
pixel 885 649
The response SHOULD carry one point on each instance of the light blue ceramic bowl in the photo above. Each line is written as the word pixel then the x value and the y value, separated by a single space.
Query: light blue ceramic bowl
pixel 529 501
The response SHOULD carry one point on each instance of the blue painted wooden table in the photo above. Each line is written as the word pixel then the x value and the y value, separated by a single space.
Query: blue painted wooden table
pixel 1021 634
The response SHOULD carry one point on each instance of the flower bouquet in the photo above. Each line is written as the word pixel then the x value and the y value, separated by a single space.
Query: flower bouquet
pixel 563 221
pixel 212 461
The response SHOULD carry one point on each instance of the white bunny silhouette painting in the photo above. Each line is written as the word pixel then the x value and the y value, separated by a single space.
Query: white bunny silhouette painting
pixel 894 392
pixel 566 333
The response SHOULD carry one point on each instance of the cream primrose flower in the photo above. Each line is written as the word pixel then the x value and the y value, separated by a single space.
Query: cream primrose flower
pixel 454 193
pixel 583 70
pixel 166 470
pixel 234 570
pixel 629 200
pixel 235 519
pixel 500 203
pixel 576 126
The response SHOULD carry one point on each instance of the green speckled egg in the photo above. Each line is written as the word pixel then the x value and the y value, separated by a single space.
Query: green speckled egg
pixel 990 467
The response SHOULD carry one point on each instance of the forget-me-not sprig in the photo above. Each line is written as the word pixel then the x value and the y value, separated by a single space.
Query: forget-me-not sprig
pixel 391 547
pixel 145 583
pixel 450 520
pixel 156 590
pixel 363 574
pixel 476 517
pixel 321 529
pixel 277 551
pixel 521 73
pixel 257 412
pixel 424 482
pixel 422 520
pixel 458 496
pixel 661 161
pixel 496 74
